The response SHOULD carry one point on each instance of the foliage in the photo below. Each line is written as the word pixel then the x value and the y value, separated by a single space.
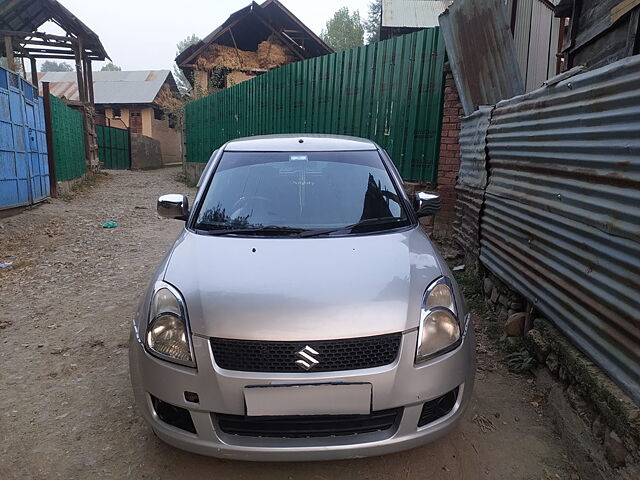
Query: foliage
pixel 520 361
pixel 181 80
pixel 345 30
pixel 373 21
pixel 111 67
pixel 51 66
pixel 5 64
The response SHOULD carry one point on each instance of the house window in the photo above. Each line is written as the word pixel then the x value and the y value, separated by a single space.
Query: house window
pixel 117 113
pixel 158 114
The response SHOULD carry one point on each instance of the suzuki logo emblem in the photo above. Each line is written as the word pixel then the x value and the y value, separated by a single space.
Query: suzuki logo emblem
pixel 307 361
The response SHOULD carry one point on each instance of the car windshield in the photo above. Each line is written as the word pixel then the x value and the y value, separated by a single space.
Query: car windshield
pixel 301 192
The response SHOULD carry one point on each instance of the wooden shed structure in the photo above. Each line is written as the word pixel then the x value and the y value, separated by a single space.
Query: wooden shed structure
pixel 252 41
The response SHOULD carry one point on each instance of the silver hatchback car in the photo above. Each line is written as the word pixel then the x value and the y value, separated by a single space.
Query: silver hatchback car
pixel 302 313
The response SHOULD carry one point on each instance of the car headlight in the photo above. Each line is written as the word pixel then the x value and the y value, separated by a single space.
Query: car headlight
pixel 439 330
pixel 167 335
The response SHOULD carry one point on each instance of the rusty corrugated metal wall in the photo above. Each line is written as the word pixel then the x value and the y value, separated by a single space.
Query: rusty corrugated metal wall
pixel 561 218
pixel 472 179
pixel 481 52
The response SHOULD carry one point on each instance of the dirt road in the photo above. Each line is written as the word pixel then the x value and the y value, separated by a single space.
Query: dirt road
pixel 66 406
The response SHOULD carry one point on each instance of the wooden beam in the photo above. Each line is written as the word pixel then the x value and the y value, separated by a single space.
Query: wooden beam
pixel 79 75
pixel 236 47
pixel 622 8
pixel 8 46
pixel 282 39
pixel 9 6
pixel 34 73
pixel 633 33
pixel 45 36
pixel 90 81
pixel 52 51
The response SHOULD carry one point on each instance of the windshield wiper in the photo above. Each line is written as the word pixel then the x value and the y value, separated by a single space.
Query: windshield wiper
pixel 353 227
pixel 268 230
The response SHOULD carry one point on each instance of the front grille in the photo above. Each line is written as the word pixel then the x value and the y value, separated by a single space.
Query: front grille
pixel 280 357
pixel 308 426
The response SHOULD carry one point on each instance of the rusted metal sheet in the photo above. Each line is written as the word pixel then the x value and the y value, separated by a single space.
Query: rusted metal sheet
pixel 481 52
pixel 472 179
pixel 473 145
pixel 561 218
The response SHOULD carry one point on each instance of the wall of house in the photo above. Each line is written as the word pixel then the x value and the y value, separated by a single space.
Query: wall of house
pixel 170 141
pixel 124 120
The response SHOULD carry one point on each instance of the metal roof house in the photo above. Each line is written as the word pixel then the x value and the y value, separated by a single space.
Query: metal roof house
pixel 129 100
pixel 400 17
pixel 252 41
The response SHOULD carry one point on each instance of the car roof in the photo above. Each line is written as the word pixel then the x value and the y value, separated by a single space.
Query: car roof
pixel 300 143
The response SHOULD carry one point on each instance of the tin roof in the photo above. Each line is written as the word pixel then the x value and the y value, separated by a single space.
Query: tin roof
pixel 413 13
pixel 128 87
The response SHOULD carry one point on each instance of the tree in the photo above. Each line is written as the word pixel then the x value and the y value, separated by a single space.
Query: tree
pixel 110 67
pixel 181 80
pixel 344 30
pixel 4 63
pixel 374 21
pixel 51 66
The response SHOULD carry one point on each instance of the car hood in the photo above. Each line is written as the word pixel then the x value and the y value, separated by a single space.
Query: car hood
pixel 303 289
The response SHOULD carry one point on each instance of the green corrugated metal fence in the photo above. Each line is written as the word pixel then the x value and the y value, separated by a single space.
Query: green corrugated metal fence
pixel 390 92
pixel 68 141
pixel 114 147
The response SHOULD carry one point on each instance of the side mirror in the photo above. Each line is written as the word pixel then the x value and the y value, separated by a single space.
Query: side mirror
pixel 426 204
pixel 173 206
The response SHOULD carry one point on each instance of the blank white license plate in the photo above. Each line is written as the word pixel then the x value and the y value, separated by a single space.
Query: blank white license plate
pixel 326 399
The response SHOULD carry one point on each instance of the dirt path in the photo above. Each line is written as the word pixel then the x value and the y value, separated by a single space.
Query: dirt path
pixel 66 406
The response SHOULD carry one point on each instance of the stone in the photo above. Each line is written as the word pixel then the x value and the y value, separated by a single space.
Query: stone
pixel 494 295
pixel 502 314
pixel 598 428
pixel 614 450
pixel 514 327
pixel 552 363
pixel 503 300
pixel 537 344
pixel 487 286
pixel 516 306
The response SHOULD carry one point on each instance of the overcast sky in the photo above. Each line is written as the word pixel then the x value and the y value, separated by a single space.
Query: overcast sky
pixel 142 34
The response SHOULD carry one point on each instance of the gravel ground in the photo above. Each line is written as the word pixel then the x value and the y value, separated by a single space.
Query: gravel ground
pixel 66 405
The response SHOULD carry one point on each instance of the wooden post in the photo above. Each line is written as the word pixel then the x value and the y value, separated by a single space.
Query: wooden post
pixel 8 46
pixel 34 73
pixel 86 78
pixel 48 122
pixel 90 82
pixel 79 76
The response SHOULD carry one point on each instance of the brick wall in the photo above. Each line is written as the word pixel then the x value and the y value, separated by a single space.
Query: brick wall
pixel 449 162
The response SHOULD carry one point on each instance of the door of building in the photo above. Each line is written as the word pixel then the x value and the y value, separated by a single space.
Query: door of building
pixel 135 121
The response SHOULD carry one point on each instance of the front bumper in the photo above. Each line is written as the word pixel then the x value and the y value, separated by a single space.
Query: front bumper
pixel 400 384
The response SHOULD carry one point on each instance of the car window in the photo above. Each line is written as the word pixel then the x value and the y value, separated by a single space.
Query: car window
pixel 313 190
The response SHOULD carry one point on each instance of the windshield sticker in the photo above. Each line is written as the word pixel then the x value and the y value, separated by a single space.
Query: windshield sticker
pixel 298 158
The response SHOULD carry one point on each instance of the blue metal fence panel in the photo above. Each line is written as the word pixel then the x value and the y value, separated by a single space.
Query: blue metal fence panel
pixel 24 170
